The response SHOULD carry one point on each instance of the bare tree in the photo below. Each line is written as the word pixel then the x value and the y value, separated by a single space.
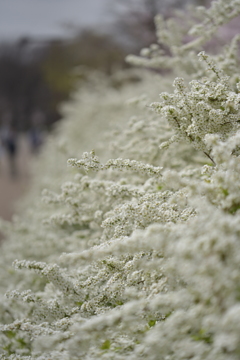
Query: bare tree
pixel 135 18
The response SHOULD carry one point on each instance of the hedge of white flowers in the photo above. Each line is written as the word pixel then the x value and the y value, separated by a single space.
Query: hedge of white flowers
pixel 128 244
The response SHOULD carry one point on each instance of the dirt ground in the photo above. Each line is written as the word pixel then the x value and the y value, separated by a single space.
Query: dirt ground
pixel 13 187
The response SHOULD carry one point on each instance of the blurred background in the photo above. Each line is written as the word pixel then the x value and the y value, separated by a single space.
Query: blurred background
pixel 42 43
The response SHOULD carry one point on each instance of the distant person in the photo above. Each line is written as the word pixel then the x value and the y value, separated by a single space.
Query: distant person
pixel 9 143
pixel 36 131
pixel 1 153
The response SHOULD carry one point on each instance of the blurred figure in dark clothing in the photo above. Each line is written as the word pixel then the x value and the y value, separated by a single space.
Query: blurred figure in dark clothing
pixel 9 143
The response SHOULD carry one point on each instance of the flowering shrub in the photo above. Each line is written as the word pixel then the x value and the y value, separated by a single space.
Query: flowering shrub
pixel 132 251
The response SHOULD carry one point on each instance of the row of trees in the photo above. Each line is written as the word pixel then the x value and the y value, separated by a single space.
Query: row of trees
pixel 38 75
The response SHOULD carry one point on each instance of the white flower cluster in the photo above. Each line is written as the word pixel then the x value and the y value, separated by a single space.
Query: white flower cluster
pixel 137 256
pixel 180 39
pixel 210 107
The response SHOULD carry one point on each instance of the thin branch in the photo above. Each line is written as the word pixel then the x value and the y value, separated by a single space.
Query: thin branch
pixel 210 158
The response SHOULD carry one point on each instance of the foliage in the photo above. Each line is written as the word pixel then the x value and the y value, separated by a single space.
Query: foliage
pixel 133 249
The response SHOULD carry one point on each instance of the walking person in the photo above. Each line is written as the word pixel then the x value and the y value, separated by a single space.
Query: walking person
pixel 9 142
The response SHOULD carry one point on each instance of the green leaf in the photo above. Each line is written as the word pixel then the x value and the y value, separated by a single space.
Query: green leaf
pixel 151 323
pixel 203 335
pixel 106 345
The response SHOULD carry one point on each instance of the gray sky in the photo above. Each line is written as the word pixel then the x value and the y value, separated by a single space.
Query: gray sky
pixel 43 18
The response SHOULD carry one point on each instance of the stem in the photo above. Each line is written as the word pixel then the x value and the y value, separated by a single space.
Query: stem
pixel 210 158
pixel 191 138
